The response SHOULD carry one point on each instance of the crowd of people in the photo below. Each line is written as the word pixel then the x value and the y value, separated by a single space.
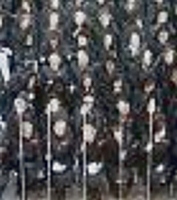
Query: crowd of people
pixel 88 96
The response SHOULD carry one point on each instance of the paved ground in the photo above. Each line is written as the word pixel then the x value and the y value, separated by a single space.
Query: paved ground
pixel 75 194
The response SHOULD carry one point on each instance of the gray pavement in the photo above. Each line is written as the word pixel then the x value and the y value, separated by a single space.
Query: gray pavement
pixel 75 193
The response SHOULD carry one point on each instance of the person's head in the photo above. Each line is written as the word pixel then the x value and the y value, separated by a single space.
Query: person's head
pixel 89 133
pixel 149 86
pixel 54 4
pixel 89 101
pixel 174 76
pixel 87 81
pixel 117 86
pixel 59 127
pixel 26 6
pixel 110 66
pixel 54 105
pixel 54 62
pixel 27 129
pixel 20 103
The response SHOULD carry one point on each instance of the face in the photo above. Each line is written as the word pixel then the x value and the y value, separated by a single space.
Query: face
pixel 60 128
pixel 80 18
pixel 54 105
pixel 32 82
pixel 82 41
pixel 26 6
pixel 89 102
pixel 87 82
pixel 124 107
pixel 20 105
pixel 83 59
pixel 54 4
pixel 110 66
pixel 27 129
pixel 89 133
pixel 117 86
pixel 25 21
pixel 149 87
pixel 54 43
pixel 174 76
pixel 54 18
pixel 54 61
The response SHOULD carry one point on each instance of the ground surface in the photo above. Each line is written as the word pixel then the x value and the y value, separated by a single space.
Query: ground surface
pixel 75 194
